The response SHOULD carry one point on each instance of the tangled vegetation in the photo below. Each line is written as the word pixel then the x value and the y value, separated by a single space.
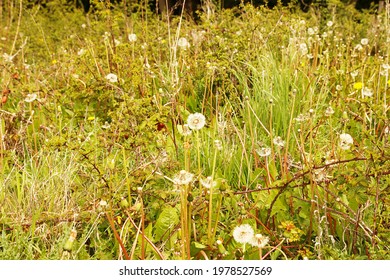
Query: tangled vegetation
pixel 249 134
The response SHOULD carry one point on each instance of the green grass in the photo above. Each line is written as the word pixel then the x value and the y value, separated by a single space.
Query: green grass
pixel 89 167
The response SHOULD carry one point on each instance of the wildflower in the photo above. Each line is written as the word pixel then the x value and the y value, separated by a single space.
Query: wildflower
pixel 243 233
pixel 264 151
pixel 329 23
pixel 310 31
pixel 183 43
pixel 196 121
pixel 329 111
pixel 364 41
pixel 183 178
pixel 358 85
pixel 346 141
pixel 112 78
pixel 117 42
pixel 278 141
pixel 339 87
pixel 132 37
pixel 83 26
pixel 259 240
pixel 208 182
pixel 31 97
pixel 184 130
pixel 367 92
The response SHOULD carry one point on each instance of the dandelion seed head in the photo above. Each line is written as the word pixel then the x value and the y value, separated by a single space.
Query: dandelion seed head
pixel 367 92
pixel 329 111
pixel 243 233
pixel 346 141
pixel 112 78
pixel 183 43
pixel 264 151
pixel 184 130
pixel 208 182
pixel 364 41
pixel 132 37
pixel 31 97
pixel 218 144
pixel 259 240
pixel 196 121
pixel 278 141
pixel 183 178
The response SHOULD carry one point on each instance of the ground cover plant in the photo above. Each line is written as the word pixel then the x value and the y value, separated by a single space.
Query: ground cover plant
pixel 247 134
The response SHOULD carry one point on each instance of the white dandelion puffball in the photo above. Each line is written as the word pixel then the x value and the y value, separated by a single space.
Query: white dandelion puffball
pixel 132 37
pixel 31 97
pixel 112 78
pixel 367 92
pixel 346 141
pixel 364 41
pixel 183 178
pixel 278 141
pixel 243 233
pixel 196 121
pixel 264 151
pixel 259 240
pixel 183 43
pixel 208 182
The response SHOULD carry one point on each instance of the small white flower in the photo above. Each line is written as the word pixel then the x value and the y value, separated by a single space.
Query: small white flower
pixel 183 43
pixel 183 178
pixel 31 97
pixel 264 151
pixel 329 23
pixel 346 141
pixel 339 87
pixel 132 37
pixel 310 31
pixel 243 233
pixel 364 41
pixel 196 121
pixel 83 26
pixel 117 42
pixel 259 240
pixel 112 78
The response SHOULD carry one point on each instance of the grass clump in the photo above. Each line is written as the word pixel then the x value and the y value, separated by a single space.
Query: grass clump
pixel 251 134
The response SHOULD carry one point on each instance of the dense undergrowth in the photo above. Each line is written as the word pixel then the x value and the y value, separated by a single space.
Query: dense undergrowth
pixel 103 157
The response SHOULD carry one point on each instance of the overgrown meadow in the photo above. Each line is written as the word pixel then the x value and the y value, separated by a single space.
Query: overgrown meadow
pixel 247 134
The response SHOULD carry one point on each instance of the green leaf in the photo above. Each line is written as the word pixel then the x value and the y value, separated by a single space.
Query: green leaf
pixel 199 245
pixel 166 222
